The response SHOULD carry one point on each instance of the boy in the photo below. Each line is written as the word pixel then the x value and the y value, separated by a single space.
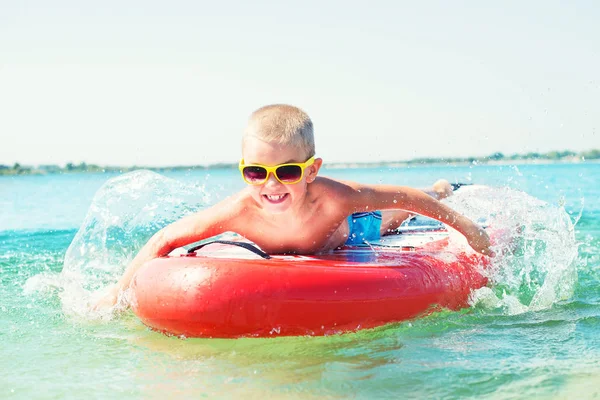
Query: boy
pixel 286 208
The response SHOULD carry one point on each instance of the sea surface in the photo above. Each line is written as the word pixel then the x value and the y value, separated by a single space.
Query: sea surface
pixel 533 333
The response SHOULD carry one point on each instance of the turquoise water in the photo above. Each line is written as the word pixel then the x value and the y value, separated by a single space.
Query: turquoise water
pixel 534 333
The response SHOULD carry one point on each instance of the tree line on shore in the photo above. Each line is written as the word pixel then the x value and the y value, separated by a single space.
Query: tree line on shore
pixel 551 156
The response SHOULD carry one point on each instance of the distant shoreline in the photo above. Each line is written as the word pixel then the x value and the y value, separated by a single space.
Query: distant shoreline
pixel 553 157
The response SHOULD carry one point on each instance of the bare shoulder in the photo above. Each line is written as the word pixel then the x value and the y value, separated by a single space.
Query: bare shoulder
pixel 337 187
pixel 232 207
pixel 221 216
pixel 353 197
pixel 336 192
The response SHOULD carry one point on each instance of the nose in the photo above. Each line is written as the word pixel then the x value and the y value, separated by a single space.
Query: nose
pixel 271 180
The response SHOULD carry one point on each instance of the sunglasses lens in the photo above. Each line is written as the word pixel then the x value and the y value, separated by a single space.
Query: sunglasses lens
pixel 255 174
pixel 289 173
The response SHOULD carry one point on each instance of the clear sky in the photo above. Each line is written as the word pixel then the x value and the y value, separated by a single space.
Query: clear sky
pixel 172 82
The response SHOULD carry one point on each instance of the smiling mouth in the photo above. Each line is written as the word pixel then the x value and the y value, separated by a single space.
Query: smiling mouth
pixel 275 198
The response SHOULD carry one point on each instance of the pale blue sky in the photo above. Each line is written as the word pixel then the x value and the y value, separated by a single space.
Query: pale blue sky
pixel 164 83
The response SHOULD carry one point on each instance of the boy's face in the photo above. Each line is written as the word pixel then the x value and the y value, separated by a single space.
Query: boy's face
pixel 273 195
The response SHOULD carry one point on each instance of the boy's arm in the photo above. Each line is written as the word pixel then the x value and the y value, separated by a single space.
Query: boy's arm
pixel 382 197
pixel 204 224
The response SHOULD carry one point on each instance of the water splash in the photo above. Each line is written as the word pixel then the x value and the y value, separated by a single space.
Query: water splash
pixel 537 254
pixel 125 212
pixel 536 263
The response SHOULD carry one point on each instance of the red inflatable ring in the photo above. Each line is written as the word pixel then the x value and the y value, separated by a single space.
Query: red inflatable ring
pixel 221 293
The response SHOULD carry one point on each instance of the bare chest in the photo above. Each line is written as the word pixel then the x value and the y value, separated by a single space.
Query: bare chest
pixel 302 236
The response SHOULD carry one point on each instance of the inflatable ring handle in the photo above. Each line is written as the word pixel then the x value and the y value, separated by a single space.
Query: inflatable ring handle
pixel 245 245
pixel 458 185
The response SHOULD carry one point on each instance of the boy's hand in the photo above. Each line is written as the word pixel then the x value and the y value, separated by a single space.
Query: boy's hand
pixel 108 299
pixel 480 241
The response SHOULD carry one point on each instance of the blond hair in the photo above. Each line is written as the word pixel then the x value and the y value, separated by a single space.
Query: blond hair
pixel 282 124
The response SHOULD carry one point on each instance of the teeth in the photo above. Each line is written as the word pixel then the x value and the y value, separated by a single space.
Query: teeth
pixel 275 197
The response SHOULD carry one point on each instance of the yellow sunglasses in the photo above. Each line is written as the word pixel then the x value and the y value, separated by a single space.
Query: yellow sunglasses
pixel 288 174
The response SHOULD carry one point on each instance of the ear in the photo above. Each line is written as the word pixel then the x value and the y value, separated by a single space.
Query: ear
pixel 313 170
